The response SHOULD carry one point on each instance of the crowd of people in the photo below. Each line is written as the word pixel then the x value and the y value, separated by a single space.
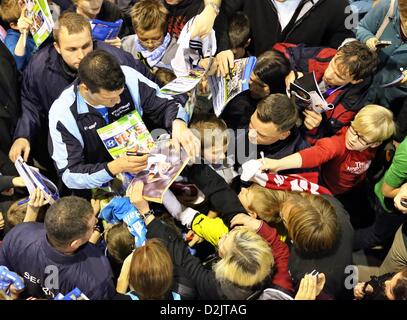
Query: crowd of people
pixel 282 198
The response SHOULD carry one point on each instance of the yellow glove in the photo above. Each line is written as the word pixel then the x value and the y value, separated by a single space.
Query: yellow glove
pixel 211 229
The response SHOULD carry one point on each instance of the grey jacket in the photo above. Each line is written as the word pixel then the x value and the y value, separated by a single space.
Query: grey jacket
pixel 392 58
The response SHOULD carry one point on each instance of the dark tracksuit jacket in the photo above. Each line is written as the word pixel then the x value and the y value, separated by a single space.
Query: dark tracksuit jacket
pixel 75 146
pixel 44 78
pixel 26 251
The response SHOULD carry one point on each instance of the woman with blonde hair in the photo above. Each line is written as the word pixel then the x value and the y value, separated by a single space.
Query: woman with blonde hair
pixel 246 262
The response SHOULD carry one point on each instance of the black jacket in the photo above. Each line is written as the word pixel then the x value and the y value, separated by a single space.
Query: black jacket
pixel 333 263
pixel 218 194
pixel 10 107
pixel 196 279
pixel 318 23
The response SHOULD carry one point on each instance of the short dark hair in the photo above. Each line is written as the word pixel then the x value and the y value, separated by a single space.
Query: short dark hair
pixel 272 67
pixel 360 61
pixel 400 289
pixel 239 30
pixel 100 70
pixel 67 220
pixel 278 109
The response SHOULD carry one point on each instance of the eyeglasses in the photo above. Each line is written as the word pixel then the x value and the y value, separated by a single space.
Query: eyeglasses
pixel 154 42
pixel 362 140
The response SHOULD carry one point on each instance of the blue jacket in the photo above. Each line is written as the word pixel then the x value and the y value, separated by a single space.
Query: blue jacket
pixel 75 146
pixel 44 78
pixel 30 48
pixel 392 58
pixel 26 251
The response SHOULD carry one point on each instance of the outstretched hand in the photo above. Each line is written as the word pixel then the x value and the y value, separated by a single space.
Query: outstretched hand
pixel 135 193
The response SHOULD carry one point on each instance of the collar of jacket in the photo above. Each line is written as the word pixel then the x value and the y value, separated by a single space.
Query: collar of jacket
pixel 56 64
pixel 80 108
pixel 353 96
pixel 275 148
pixel 60 258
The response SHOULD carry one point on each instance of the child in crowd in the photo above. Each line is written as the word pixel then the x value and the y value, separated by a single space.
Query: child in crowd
pixel 26 210
pixel 151 43
pixel 214 136
pixel 18 40
pixel 239 34
pixel 345 157
pixel 149 273
pixel 104 10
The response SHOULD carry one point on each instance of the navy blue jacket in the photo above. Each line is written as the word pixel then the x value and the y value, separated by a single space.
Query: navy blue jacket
pixel 44 79
pixel 26 251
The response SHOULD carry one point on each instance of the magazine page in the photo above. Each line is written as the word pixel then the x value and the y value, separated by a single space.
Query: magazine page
pixel 225 89
pixel 183 84
pixel 308 95
pixel 34 179
pixel 39 12
pixel 164 166
pixel 104 30
pixel 127 133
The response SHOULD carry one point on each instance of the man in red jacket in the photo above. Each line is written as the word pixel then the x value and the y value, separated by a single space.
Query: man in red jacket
pixel 343 75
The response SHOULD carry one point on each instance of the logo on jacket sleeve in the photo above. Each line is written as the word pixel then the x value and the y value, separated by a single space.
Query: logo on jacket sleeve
pixel 91 127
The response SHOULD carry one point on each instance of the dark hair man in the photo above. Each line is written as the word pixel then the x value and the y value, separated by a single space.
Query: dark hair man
pixel 103 93
pixel 55 257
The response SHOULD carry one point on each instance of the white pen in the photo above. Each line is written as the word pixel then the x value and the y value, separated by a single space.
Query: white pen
pixel 262 156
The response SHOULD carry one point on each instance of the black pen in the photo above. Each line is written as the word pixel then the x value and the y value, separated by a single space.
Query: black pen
pixel 138 154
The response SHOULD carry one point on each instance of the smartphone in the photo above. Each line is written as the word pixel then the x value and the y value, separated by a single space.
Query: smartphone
pixel 138 154
pixel 383 44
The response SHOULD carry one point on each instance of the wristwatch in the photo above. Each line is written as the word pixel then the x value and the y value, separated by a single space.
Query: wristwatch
pixel 144 216
pixel 214 6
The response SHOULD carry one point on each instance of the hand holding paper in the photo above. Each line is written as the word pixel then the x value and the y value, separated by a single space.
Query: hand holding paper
pixel 183 136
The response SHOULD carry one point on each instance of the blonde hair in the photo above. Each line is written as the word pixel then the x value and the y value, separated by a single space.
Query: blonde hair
pixel 375 123
pixel 10 11
pixel 248 262
pixel 312 222
pixel 149 14
pixel 266 203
